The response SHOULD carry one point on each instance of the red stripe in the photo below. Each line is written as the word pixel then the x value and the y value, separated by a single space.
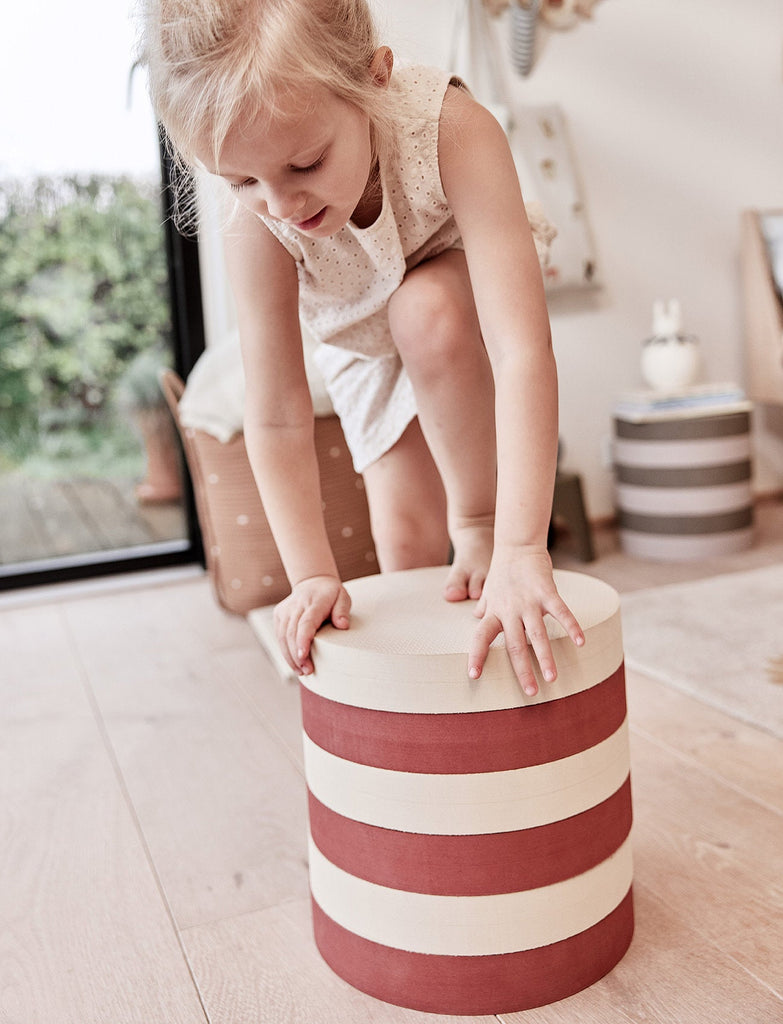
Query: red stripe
pixel 476 985
pixel 476 741
pixel 474 865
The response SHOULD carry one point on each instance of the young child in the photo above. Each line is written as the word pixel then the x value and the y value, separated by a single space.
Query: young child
pixel 382 206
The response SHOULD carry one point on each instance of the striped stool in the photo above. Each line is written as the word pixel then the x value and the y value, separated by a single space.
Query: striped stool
pixel 683 484
pixel 470 846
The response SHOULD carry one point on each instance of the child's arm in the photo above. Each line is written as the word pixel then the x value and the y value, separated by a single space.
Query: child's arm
pixel 482 186
pixel 279 433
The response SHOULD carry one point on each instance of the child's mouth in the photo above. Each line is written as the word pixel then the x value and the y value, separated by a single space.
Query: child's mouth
pixel 312 223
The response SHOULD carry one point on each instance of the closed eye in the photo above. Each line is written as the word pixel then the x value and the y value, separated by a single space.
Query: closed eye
pixel 310 168
pixel 237 186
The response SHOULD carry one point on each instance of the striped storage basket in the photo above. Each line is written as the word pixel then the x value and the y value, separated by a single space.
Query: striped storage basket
pixel 683 484
pixel 470 846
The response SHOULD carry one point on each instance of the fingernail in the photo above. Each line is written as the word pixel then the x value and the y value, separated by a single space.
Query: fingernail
pixel 473 672
pixel 300 653
pixel 549 675
pixel 530 691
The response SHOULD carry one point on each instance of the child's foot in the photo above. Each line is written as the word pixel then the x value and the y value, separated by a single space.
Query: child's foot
pixel 472 555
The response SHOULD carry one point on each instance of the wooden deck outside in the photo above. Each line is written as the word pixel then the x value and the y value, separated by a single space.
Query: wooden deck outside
pixel 45 519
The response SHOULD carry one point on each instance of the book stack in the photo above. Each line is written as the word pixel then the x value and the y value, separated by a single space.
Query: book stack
pixel 698 400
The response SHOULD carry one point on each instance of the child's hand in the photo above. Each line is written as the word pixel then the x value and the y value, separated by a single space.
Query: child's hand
pixel 298 618
pixel 518 591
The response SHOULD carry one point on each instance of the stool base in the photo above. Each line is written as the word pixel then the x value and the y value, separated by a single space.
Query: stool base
pixel 477 985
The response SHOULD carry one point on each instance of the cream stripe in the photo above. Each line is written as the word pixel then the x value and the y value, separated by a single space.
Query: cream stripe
pixel 439 684
pixel 407 648
pixel 684 500
pixel 684 549
pixel 471 925
pixel 708 452
pixel 469 804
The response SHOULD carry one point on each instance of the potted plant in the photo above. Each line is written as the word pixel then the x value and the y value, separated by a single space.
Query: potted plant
pixel 139 392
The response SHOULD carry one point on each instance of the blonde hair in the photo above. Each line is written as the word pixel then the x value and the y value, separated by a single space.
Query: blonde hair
pixel 216 63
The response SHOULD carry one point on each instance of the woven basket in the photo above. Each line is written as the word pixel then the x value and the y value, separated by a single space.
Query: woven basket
pixel 242 559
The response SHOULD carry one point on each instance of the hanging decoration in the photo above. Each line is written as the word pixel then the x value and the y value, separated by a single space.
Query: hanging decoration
pixel 527 17
pixel 524 16
pixel 541 148
pixel 562 13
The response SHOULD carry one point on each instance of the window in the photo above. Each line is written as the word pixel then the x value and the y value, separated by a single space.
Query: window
pixel 97 293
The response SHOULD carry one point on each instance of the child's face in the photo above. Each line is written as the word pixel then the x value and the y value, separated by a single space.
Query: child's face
pixel 309 168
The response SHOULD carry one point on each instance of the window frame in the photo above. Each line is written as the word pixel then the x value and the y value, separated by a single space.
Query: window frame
pixel 188 337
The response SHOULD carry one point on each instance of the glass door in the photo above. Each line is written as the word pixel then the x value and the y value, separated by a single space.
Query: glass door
pixel 97 296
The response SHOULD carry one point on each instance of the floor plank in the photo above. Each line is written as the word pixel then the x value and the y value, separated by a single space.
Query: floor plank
pixel 86 937
pixel 221 804
pixel 188 809
pixel 743 757
pixel 670 975
pixel 712 855
pixel 264 968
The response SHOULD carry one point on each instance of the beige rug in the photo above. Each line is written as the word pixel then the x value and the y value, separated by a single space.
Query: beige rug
pixel 719 640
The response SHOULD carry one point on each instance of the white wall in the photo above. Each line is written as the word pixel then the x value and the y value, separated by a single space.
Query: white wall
pixel 674 112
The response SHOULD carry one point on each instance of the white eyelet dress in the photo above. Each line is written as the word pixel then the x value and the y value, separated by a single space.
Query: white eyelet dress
pixel 347 279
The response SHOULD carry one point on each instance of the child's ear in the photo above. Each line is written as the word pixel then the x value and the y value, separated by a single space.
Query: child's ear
pixel 381 66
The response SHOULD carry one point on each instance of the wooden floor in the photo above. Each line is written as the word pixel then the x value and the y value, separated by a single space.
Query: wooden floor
pixel 152 828
pixel 45 519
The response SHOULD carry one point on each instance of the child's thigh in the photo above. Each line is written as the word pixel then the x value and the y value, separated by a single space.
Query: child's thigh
pixel 407 504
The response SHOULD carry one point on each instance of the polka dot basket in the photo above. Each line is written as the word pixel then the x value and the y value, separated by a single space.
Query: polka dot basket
pixel 241 556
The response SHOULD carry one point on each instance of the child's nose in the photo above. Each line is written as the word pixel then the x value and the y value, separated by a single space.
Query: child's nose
pixel 283 204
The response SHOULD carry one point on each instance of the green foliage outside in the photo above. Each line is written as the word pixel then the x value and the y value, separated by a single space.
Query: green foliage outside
pixel 84 319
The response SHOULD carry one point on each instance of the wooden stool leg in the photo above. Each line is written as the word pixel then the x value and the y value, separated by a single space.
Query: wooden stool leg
pixel 568 502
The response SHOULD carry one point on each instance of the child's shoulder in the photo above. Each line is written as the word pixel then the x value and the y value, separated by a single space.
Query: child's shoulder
pixel 464 118
pixel 419 77
pixel 471 141
pixel 422 92
pixel 419 88
pixel 432 103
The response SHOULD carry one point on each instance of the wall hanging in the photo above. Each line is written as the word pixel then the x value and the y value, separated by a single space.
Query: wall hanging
pixel 538 137
pixel 531 19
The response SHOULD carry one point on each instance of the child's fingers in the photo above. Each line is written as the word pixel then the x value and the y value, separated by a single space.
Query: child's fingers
pixel 297 628
pixel 282 621
pixel 560 611
pixel 294 634
pixel 518 652
pixel 486 631
pixel 289 658
pixel 536 632
pixel 311 621
pixel 341 612
pixel 308 625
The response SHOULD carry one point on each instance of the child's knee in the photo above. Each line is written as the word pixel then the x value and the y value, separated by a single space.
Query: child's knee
pixel 430 323
pixel 403 542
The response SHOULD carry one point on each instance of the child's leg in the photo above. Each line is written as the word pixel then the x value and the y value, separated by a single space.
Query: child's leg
pixel 407 505
pixel 435 327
